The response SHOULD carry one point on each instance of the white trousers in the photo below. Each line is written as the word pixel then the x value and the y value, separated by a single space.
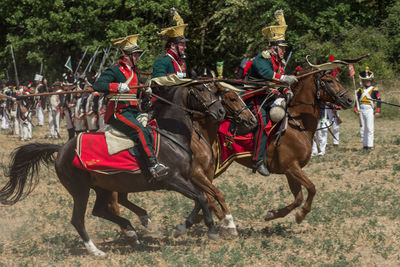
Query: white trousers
pixel 40 115
pixel 26 130
pixel 15 120
pixel 54 123
pixel 320 139
pixel 367 127
pixel 335 125
pixel 5 121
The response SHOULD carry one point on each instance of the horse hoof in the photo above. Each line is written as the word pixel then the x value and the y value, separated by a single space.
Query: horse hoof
pixel 228 232
pixel 299 218
pixel 270 216
pixel 180 230
pixel 99 253
pixel 213 236
pixel 131 234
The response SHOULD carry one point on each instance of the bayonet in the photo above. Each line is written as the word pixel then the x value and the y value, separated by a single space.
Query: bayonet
pixel 15 67
pixel 80 61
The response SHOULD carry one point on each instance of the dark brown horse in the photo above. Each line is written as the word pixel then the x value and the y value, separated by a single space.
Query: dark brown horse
pixel 203 145
pixel 174 152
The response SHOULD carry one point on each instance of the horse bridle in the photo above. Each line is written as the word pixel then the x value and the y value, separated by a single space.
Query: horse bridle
pixel 235 113
pixel 193 91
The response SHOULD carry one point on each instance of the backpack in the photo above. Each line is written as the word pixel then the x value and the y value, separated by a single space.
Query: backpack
pixel 242 70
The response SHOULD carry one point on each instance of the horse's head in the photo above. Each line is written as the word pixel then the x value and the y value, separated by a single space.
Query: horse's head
pixel 201 98
pixel 330 90
pixel 243 120
pixel 326 88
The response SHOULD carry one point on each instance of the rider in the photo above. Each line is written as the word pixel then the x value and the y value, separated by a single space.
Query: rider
pixel 267 65
pixel 366 111
pixel 122 114
pixel 173 61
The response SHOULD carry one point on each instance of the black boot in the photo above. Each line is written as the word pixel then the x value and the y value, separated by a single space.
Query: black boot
pixel 157 170
pixel 261 168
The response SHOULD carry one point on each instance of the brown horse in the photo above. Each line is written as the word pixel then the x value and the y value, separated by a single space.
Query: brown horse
pixel 203 142
pixel 174 152
pixel 293 151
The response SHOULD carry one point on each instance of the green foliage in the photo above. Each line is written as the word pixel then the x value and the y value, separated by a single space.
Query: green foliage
pixel 50 31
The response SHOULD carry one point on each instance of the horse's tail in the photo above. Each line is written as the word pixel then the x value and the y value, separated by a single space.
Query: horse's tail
pixel 23 170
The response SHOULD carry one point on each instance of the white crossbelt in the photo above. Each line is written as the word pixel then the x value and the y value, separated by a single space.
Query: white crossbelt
pixel 367 94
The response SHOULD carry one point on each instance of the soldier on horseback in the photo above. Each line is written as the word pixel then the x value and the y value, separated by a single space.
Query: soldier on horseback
pixel 122 115
pixel 267 65
pixel 173 62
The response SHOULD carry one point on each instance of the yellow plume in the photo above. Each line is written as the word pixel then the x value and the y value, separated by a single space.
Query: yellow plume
pixel 176 17
pixel 279 17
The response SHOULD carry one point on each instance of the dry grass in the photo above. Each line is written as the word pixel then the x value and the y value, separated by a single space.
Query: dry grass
pixel 355 218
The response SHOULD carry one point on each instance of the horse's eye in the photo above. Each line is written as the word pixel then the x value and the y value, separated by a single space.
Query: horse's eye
pixel 232 99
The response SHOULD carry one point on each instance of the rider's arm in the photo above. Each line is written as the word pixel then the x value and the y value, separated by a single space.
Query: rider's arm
pixel 106 82
pixel 161 67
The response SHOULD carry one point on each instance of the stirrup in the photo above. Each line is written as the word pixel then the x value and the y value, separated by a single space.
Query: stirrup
pixel 261 168
pixel 158 171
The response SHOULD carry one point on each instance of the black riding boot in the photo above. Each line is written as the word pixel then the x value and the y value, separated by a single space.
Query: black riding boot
pixel 261 168
pixel 157 170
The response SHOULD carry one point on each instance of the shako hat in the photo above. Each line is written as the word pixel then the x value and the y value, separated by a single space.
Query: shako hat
pixel 276 34
pixel 128 45
pixel 366 74
pixel 175 33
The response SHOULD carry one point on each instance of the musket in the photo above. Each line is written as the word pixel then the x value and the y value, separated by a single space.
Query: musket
pixel 384 102
pixel 58 93
pixel 94 58
pixel 41 68
pixel 80 61
pixel 89 63
pixel 15 67
pixel 103 60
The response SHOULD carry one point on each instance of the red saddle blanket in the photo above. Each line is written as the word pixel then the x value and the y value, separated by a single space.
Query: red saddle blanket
pixel 231 147
pixel 92 154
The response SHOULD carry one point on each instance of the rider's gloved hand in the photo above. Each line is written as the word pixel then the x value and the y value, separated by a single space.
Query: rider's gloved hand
pixel 123 88
pixel 148 91
pixel 289 95
pixel 289 79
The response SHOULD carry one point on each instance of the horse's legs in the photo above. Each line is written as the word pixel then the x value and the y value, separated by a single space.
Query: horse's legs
pixel 151 229
pixel 296 178
pixel 101 209
pixel 295 187
pixel 186 188
pixel 81 196
pixel 141 213
pixel 214 194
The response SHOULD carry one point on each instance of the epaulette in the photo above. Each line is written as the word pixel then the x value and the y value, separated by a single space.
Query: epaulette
pixel 266 54
pixel 375 89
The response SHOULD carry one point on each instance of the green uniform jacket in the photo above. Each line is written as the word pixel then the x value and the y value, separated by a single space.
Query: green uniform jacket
pixel 266 66
pixel 163 66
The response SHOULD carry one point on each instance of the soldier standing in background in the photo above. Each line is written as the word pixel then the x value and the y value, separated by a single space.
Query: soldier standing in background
pixel 366 112
pixel 40 100
pixel 55 107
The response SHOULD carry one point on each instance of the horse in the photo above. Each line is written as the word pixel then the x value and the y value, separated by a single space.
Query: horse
pixel 203 144
pixel 293 151
pixel 174 152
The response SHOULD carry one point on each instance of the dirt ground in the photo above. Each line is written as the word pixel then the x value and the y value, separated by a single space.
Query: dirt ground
pixel 355 217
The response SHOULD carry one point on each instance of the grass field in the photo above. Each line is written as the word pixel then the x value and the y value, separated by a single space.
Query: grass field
pixel 355 218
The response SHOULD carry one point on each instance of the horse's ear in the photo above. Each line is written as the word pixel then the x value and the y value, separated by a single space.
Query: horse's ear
pixel 193 74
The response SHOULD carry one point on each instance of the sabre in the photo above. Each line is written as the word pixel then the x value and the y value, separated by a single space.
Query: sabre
pixel 287 60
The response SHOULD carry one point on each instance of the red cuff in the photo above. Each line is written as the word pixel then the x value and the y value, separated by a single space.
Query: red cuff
pixel 277 76
pixel 355 109
pixel 378 110
pixel 114 88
